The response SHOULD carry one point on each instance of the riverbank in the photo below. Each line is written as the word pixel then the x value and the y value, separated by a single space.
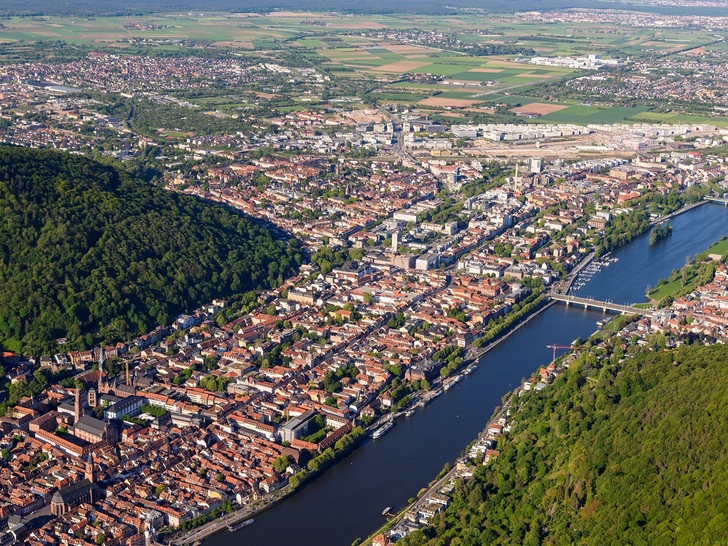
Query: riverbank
pixel 246 512
pixel 684 209
pixel 438 483
pixel 498 411
pixel 221 524
pixel 376 467
pixel 475 354
pixel 267 501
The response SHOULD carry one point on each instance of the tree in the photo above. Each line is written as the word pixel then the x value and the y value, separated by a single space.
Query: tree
pixel 107 263
pixel 280 464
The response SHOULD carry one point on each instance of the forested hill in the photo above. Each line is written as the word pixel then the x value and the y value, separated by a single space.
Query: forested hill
pixel 610 454
pixel 88 252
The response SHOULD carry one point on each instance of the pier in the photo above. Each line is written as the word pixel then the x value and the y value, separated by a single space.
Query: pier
pixel 724 202
pixel 603 305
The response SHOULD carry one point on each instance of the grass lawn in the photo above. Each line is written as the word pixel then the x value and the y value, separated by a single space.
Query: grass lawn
pixel 721 247
pixel 661 292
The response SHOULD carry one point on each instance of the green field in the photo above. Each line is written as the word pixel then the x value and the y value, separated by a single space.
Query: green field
pixel 367 48
pixel 658 117
pixel 721 248
pixel 592 114
pixel 438 69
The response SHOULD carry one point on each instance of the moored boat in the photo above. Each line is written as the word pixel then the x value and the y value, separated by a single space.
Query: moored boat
pixel 381 431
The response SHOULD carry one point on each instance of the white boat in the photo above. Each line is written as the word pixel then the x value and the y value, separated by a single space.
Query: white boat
pixel 381 431
pixel 237 527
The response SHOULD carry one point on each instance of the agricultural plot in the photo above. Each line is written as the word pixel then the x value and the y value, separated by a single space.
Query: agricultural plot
pixel 409 69
pixel 590 114
pixel 659 117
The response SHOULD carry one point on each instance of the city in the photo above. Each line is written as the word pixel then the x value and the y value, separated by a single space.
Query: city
pixel 437 210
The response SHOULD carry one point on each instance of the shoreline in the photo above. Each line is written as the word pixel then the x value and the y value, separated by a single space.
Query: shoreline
pixel 498 410
pixel 678 212
pixel 215 526
pixel 219 525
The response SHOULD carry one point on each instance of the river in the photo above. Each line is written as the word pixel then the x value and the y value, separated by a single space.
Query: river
pixel 347 500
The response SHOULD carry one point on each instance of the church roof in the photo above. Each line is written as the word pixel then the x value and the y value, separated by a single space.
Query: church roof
pixel 91 425
pixel 71 493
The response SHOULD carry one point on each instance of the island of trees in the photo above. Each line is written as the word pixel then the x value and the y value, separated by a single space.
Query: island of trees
pixel 621 449
pixel 660 232
pixel 90 253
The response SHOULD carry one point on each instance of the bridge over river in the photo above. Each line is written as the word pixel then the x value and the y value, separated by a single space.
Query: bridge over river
pixel 603 305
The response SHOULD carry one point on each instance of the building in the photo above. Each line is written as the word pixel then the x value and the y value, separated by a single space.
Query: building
pixel 86 490
pixel 297 427
pixel 535 165
pixel 94 430
pixel 71 496
pixel 427 261
pixel 130 406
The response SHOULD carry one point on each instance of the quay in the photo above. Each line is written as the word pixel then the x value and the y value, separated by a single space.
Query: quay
pixel 724 202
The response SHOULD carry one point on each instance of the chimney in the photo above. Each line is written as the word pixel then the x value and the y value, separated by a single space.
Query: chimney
pixel 77 407
pixel 101 371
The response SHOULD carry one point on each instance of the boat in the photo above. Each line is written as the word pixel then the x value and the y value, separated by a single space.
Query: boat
pixel 410 412
pixel 237 527
pixel 470 369
pixel 386 511
pixel 458 378
pixel 602 323
pixel 381 431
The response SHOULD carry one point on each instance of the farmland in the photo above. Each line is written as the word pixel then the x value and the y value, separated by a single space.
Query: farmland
pixel 457 66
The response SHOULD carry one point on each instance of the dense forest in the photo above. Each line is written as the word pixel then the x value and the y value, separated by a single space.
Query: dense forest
pixel 621 449
pixel 89 252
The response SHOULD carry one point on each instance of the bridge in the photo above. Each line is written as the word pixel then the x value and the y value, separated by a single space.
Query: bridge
pixel 717 200
pixel 603 305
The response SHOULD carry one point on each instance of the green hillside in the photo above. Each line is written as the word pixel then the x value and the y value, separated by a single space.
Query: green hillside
pixel 88 252
pixel 611 454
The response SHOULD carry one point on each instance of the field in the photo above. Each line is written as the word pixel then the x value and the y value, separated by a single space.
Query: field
pixel 539 108
pixel 592 114
pixel 392 54
pixel 721 248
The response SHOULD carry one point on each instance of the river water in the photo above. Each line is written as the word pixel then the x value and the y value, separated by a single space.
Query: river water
pixel 347 500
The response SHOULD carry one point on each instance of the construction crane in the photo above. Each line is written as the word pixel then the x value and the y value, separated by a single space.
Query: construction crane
pixel 554 347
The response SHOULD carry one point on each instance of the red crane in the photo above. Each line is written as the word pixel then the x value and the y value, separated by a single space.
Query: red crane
pixel 554 347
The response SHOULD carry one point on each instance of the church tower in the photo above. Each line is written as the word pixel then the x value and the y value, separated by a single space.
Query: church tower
pixel 90 473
